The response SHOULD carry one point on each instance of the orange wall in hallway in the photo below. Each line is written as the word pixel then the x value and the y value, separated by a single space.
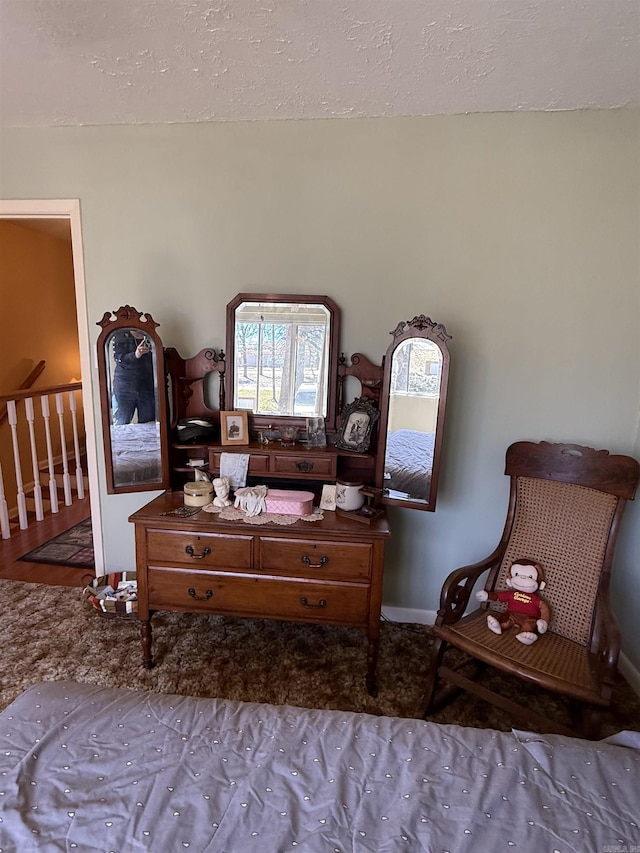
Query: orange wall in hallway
pixel 37 321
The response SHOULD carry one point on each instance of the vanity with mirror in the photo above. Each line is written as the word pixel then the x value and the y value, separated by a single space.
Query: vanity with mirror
pixel 282 378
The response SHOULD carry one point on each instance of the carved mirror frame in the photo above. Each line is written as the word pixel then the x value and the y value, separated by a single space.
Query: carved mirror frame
pixel 265 421
pixel 421 327
pixel 129 318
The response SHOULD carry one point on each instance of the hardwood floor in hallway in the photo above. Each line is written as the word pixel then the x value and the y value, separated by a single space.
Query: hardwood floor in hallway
pixel 39 532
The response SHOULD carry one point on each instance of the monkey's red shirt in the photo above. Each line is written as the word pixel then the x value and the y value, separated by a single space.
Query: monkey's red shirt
pixel 527 603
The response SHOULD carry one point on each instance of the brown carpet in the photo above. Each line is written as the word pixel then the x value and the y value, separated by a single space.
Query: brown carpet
pixel 49 633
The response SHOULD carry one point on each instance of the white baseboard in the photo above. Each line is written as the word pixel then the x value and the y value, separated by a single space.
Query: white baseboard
pixel 428 617
pixel 407 614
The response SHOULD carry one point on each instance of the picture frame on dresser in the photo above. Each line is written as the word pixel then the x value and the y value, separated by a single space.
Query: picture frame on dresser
pixel 358 421
pixel 316 433
pixel 328 497
pixel 234 427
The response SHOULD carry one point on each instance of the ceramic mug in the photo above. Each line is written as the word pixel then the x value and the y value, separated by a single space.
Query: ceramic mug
pixel 348 495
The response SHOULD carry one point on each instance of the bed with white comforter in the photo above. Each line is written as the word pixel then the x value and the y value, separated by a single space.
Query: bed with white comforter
pixel 89 768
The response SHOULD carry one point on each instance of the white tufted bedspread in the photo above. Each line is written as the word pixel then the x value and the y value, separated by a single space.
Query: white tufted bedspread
pixel 90 768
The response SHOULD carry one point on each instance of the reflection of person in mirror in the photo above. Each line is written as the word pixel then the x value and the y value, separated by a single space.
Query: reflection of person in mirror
pixel 133 377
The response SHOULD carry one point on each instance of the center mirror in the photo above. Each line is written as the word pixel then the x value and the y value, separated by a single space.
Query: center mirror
pixel 282 356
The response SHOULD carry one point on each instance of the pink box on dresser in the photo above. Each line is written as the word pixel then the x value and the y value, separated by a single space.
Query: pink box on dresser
pixel 289 502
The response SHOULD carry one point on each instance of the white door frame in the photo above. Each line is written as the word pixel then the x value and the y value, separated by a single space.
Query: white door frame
pixel 69 208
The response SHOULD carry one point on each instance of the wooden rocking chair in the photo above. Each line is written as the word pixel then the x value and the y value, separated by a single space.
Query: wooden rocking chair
pixel 566 504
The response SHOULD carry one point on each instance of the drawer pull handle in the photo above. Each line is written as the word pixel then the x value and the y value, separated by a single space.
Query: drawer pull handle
pixel 305 603
pixel 204 597
pixel 304 466
pixel 307 561
pixel 205 552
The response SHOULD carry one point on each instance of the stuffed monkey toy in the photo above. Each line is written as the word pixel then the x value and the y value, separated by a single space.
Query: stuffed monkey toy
pixel 526 610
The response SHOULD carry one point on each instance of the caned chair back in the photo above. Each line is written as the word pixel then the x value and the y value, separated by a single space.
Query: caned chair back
pixel 565 527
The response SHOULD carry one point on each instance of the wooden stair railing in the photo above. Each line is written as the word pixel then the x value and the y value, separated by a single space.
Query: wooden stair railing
pixel 28 383
pixel 17 425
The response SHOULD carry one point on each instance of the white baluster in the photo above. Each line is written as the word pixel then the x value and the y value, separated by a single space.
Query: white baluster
pixel 66 477
pixel 22 503
pixel 53 486
pixel 76 445
pixel 37 488
pixel 4 510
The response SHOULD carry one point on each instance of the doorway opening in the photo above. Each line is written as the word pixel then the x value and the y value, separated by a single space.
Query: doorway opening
pixel 61 218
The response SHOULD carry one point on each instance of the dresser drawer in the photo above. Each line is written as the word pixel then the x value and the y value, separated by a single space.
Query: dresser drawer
pixel 307 464
pixel 315 559
pixel 258 462
pixel 246 595
pixel 335 603
pixel 202 550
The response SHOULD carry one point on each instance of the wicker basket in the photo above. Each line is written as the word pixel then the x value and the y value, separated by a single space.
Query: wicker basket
pixel 93 595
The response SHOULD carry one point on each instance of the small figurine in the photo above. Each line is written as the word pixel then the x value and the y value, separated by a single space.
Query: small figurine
pixel 525 608
pixel 221 487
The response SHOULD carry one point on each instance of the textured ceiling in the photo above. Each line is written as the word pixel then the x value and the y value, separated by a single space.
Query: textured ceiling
pixel 76 62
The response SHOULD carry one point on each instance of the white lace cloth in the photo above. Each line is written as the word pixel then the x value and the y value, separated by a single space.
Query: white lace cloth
pixel 230 513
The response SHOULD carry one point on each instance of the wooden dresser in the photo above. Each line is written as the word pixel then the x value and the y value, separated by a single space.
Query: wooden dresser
pixel 325 572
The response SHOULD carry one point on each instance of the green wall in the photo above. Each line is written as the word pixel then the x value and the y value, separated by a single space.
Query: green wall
pixel 519 232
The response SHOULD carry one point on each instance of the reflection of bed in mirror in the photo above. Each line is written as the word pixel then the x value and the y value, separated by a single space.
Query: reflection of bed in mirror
pixel 136 453
pixel 409 462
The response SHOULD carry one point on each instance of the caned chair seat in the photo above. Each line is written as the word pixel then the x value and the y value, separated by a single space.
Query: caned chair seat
pixel 553 662
pixel 565 508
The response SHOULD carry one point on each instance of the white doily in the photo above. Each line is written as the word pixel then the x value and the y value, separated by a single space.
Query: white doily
pixel 230 513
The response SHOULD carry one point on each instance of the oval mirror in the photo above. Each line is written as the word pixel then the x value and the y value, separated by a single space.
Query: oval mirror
pixel 133 399
pixel 282 355
pixel 413 401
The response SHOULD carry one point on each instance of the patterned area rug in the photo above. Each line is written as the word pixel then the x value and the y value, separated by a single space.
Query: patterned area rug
pixel 74 547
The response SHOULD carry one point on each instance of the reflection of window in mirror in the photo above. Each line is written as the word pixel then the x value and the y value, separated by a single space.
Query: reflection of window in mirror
pixel 415 386
pixel 281 358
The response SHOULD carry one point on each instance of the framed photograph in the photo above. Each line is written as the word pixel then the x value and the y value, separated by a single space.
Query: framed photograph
pixel 234 427
pixel 316 435
pixel 357 423
pixel 328 497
